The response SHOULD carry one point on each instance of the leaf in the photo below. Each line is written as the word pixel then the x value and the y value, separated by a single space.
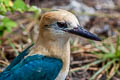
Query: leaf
pixel 1 33
pixel 6 2
pixel 117 47
pixel 20 5
pixel 8 24
pixel 1 28
pixel 0 41
pixel 36 10
pixel 3 9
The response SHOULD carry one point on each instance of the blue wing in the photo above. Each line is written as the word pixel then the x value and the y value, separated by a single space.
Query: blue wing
pixel 18 58
pixel 35 67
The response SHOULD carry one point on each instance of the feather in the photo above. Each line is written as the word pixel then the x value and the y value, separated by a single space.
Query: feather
pixel 19 58
pixel 36 67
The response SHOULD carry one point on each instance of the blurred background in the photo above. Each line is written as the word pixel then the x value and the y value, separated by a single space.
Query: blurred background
pixel 90 60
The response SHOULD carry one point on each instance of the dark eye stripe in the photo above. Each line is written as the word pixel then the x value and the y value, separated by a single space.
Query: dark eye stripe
pixel 62 24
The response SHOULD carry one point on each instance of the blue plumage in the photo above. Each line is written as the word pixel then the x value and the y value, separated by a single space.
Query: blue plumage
pixel 36 67
pixel 19 58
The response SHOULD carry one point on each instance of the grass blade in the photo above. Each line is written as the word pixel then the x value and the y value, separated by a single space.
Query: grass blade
pixel 100 70
pixel 86 66
pixel 13 46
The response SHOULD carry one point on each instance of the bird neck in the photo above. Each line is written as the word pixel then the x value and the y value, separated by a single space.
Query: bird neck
pixel 57 47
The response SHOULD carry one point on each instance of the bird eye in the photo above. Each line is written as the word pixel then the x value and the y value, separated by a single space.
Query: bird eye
pixel 62 24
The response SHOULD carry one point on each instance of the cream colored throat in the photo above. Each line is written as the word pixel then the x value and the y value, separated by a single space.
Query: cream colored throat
pixel 59 48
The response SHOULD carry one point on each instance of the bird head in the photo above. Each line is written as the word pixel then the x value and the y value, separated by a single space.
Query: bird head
pixel 61 23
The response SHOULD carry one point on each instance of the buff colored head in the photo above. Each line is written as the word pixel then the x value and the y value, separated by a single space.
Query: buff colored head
pixel 61 23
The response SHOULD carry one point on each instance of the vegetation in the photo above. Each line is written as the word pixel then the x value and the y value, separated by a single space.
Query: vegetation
pixel 108 59
pixel 8 6
pixel 110 56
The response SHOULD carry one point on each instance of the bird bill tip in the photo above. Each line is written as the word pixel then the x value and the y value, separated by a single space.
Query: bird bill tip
pixel 80 31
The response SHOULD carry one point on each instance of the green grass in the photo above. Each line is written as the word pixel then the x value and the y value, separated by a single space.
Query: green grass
pixel 109 56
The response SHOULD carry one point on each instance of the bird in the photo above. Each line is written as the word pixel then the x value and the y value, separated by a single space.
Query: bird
pixel 49 57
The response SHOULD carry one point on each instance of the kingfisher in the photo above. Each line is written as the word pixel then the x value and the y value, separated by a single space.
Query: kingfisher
pixel 49 57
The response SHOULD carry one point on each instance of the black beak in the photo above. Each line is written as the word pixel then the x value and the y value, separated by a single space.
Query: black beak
pixel 83 32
